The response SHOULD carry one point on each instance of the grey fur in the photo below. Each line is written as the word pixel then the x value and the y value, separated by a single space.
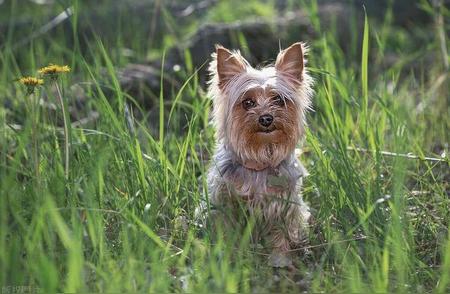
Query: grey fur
pixel 284 205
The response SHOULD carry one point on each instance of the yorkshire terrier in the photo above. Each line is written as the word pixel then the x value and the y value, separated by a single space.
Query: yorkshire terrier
pixel 259 116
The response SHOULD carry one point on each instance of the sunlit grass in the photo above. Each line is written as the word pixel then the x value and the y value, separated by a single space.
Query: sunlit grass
pixel 124 220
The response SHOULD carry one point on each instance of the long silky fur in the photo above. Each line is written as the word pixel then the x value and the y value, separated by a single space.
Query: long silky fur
pixel 226 168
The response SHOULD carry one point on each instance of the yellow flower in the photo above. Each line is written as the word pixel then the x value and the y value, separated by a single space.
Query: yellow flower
pixel 31 81
pixel 54 69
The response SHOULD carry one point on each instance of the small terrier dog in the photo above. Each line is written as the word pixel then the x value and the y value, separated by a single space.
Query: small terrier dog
pixel 259 115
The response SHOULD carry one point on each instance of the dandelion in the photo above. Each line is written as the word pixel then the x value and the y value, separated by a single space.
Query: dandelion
pixel 31 83
pixel 54 69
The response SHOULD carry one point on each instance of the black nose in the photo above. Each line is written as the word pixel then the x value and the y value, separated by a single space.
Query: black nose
pixel 266 120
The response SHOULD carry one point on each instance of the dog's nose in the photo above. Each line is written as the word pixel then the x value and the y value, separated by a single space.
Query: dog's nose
pixel 266 120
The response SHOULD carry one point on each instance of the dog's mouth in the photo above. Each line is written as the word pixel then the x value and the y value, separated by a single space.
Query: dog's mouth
pixel 267 130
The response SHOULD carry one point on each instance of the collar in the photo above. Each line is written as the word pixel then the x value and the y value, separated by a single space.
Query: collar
pixel 254 165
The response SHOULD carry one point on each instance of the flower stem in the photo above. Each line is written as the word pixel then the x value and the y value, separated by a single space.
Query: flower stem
pixel 66 132
pixel 35 107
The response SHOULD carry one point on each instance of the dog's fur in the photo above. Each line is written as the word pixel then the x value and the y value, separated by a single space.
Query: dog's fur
pixel 255 166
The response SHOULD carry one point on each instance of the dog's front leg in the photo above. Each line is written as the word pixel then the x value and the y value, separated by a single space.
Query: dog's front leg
pixel 290 230
pixel 280 255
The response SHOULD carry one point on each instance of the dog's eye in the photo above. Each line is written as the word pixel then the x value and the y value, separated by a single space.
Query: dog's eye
pixel 248 103
pixel 277 100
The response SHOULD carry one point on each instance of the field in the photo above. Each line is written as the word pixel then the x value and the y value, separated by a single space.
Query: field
pixel 104 200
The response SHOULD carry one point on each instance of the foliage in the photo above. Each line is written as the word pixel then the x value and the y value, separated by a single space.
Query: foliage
pixel 124 220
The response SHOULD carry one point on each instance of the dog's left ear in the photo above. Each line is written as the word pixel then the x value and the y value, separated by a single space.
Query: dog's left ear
pixel 290 62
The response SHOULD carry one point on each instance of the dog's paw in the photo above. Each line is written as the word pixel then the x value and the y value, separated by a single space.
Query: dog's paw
pixel 280 259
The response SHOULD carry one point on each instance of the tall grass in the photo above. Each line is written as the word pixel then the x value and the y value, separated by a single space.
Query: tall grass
pixel 126 220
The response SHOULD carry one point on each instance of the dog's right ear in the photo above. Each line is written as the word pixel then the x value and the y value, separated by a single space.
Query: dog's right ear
pixel 229 64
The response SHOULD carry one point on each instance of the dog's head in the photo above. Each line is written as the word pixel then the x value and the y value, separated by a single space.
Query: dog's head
pixel 259 113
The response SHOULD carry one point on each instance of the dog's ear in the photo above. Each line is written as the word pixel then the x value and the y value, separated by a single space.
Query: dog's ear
pixel 290 62
pixel 229 64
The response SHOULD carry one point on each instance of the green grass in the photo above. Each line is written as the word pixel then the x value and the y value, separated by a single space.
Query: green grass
pixel 124 220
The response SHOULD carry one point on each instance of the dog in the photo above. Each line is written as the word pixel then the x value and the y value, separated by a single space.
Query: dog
pixel 259 117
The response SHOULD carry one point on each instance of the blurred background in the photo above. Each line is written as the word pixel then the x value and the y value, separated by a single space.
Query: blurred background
pixel 135 34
